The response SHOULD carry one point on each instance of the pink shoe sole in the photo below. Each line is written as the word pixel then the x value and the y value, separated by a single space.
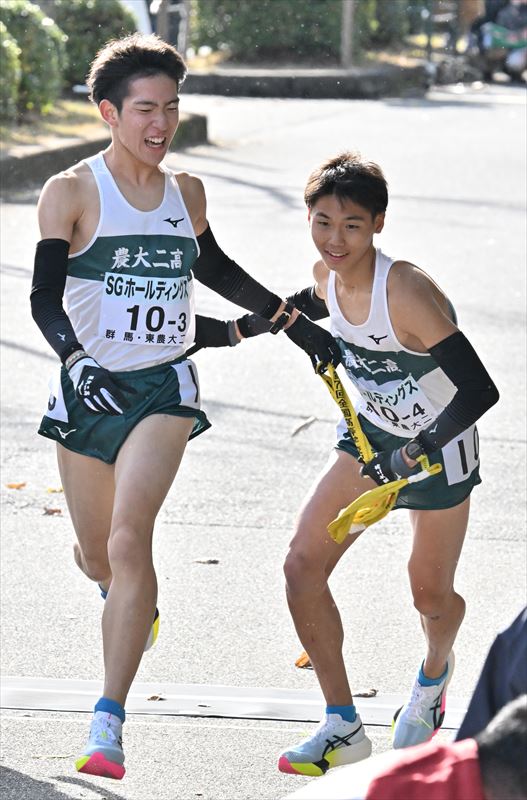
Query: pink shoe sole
pixel 100 766
pixel 285 766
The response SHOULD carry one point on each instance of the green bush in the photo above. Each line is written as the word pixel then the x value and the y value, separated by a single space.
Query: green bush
pixel 268 29
pixel 391 23
pixel 89 24
pixel 42 54
pixel 9 75
pixel 293 31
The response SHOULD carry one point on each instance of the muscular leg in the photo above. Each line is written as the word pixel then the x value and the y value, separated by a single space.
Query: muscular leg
pixel 89 490
pixel 311 559
pixel 438 539
pixel 144 471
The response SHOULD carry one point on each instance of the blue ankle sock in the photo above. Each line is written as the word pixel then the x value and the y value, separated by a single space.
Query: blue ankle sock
pixel 104 592
pixel 348 713
pixel 110 707
pixel 424 681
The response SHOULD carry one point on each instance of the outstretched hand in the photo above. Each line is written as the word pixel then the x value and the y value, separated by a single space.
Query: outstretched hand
pixel 317 342
pixel 97 389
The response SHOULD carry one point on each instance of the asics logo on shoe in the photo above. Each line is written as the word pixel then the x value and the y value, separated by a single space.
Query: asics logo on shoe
pixel 340 741
pixel 173 222
pixel 377 339
pixel 64 434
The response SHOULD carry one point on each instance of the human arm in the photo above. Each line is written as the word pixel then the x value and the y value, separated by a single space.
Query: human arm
pixel 220 273
pixel 219 333
pixel 420 317
pixel 59 209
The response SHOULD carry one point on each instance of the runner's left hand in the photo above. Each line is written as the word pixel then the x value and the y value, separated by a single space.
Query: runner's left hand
pixel 387 466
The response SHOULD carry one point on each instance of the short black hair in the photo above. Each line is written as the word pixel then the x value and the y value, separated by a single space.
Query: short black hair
pixel 349 177
pixel 502 746
pixel 120 61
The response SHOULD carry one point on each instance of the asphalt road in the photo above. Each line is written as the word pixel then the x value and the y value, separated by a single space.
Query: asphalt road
pixel 455 162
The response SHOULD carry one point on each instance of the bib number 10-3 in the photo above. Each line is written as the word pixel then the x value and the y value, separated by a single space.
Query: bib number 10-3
pixel 154 318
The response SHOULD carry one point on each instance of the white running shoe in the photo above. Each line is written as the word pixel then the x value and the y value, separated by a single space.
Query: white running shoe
pixel 103 755
pixel 334 742
pixel 420 719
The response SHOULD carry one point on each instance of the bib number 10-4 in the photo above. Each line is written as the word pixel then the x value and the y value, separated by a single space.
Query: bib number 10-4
pixel 461 456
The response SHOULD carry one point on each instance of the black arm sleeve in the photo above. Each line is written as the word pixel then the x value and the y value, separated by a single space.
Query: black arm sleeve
pixel 476 392
pixel 47 290
pixel 306 300
pixel 223 275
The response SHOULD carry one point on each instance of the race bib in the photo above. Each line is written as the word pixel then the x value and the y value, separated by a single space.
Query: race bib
pixel 140 310
pixel 404 408
pixel 461 456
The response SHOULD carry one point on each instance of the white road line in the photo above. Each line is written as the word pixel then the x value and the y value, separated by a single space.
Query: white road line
pixel 196 700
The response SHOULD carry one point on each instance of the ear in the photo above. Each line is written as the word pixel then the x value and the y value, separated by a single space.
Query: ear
pixel 308 216
pixel 109 113
pixel 379 222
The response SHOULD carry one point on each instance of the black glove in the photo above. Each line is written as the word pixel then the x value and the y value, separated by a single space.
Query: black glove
pixel 211 332
pixel 318 343
pixel 97 389
pixel 388 466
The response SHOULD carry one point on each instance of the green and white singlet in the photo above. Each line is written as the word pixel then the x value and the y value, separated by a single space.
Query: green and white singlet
pixel 129 292
pixel 398 392
pixel 129 297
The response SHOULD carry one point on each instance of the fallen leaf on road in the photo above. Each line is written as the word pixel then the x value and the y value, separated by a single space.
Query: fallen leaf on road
pixel 156 697
pixel 303 661
pixel 50 512
pixel 305 424
pixel 16 485
pixel 206 561
pixel 50 490
pixel 368 693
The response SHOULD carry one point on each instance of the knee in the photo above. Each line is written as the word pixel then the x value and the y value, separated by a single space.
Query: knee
pixel 94 564
pixel 128 550
pixel 430 600
pixel 303 571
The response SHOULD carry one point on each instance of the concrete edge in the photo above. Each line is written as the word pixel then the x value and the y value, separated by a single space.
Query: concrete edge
pixel 38 164
pixel 384 81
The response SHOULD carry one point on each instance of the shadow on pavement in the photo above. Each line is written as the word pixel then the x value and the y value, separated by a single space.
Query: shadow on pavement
pixel 17 786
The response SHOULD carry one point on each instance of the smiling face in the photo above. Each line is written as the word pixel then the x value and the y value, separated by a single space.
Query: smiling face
pixel 343 231
pixel 148 119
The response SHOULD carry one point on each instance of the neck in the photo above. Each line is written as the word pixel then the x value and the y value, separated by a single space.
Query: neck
pixel 360 275
pixel 125 167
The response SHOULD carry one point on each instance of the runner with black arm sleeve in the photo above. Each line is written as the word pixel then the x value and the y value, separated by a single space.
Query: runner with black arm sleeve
pixel 420 388
pixel 123 238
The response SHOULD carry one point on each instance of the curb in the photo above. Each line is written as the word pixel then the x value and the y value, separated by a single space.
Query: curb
pixel 37 164
pixel 358 83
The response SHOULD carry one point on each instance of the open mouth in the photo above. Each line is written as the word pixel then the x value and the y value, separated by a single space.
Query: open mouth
pixel 336 256
pixel 156 142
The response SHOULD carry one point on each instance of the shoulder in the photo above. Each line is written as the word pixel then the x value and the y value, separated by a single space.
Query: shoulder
pixel 419 309
pixel 63 198
pixel 321 275
pixel 193 193
pixel 408 283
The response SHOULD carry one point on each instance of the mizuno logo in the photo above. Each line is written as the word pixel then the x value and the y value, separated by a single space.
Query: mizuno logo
pixel 174 222
pixel 378 339
pixel 433 430
pixel 62 336
pixel 64 434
